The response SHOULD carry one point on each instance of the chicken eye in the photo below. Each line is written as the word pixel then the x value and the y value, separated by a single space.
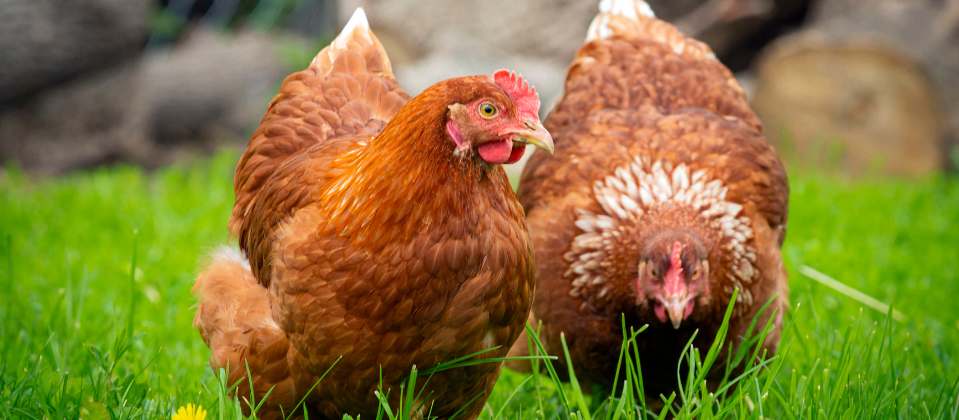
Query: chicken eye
pixel 653 270
pixel 487 110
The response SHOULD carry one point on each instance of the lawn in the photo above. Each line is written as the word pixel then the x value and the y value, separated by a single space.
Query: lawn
pixel 96 312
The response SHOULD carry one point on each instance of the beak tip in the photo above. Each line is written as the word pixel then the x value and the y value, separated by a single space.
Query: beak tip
pixel 536 135
pixel 545 143
pixel 675 315
pixel 548 144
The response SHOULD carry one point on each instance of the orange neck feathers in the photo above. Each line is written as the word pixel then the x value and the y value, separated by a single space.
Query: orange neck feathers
pixel 407 178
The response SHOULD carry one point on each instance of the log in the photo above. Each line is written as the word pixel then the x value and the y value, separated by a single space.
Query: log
pixel 868 87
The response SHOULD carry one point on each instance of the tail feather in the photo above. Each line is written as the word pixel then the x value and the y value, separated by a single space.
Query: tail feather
pixel 235 321
pixel 635 19
pixel 356 36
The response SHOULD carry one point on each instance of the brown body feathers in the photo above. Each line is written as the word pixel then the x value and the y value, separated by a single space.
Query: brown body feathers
pixel 368 242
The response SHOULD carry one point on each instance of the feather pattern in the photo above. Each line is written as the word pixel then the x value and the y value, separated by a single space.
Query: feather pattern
pixel 617 196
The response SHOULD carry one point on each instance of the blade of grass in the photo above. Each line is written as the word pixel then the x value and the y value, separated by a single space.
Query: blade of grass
pixel 574 383
pixel 549 367
pixel 850 292
pixel 512 394
pixel 315 384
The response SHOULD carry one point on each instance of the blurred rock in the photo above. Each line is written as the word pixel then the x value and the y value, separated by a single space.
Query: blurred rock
pixel 213 86
pixel 211 89
pixel 44 42
pixel 83 123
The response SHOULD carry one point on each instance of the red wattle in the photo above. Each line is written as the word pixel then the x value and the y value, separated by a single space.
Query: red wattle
pixel 660 311
pixel 517 153
pixel 496 152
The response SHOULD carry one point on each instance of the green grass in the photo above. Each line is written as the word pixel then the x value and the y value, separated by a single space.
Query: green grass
pixel 96 312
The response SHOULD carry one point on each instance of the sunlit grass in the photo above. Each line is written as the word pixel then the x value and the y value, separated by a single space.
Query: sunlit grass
pixel 96 313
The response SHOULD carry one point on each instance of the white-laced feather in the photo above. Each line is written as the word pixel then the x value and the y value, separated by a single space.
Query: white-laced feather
pixel 629 193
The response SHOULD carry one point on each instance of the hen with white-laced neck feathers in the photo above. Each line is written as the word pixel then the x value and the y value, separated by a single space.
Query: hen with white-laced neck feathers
pixel 663 197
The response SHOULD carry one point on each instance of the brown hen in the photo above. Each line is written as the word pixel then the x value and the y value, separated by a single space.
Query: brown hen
pixel 663 198
pixel 378 230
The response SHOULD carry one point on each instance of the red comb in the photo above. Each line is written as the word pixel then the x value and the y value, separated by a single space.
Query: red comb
pixel 674 256
pixel 673 280
pixel 520 91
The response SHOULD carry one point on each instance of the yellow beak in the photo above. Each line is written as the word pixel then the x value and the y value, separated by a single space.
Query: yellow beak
pixel 675 306
pixel 535 135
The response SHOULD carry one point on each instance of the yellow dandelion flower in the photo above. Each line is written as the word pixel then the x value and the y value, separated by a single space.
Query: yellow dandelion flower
pixel 190 412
